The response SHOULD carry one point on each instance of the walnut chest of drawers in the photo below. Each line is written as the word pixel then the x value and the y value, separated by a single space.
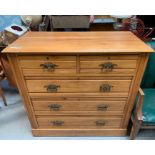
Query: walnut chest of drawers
pixel 78 83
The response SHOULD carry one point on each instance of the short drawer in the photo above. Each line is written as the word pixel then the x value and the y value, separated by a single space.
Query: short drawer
pixel 78 107
pixel 108 65
pixel 79 122
pixel 47 65
pixel 78 86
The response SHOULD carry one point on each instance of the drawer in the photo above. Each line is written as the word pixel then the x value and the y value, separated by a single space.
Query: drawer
pixel 88 107
pixel 47 65
pixel 45 73
pixel 79 122
pixel 78 86
pixel 46 58
pixel 109 57
pixel 107 65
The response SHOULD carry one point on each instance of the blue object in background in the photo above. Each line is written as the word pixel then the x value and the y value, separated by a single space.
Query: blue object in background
pixel 6 20
pixel 148 80
pixel 151 44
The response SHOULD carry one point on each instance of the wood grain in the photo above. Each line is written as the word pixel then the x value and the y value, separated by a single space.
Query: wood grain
pixel 78 56
pixel 47 57
pixel 79 132
pixel 77 86
pixel 22 89
pixel 81 42
pixel 79 105
pixel 36 64
pixel 118 64
pixel 135 87
pixel 114 72
pixel 44 72
pixel 79 122
pixel 90 95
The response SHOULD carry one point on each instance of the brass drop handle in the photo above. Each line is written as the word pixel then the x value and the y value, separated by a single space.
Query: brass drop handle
pixel 100 123
pixel 57 123
pixel 102 107
pixel 49 66
pixel 54 107
pixel 107 66
pixel 105 88
pixel 52 88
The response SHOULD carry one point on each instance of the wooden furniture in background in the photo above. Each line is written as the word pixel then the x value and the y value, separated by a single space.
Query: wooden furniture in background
pixel 6 68
pixel 69 21
pixel 2 77
pixel 143 115
pixel 102 23
pixel 78 83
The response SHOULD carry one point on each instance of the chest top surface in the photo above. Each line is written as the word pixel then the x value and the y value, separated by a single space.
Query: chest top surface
pixel 78 42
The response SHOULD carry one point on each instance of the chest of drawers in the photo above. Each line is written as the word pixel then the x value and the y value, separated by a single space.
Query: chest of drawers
pixel 78 83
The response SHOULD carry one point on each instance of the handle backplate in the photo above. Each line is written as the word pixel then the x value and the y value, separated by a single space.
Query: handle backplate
pixel 108 66
pixel 105 88
pixel 102 107
pixel 57 123
pixel 49 66
pixel 52 88
pixel 100 123
pixel 54 107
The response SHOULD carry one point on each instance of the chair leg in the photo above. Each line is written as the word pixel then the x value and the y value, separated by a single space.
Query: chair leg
pixel 3 97
pixel 135 128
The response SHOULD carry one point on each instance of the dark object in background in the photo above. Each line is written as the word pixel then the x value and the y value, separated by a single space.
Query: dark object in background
pixel 69 22
pixel 149 22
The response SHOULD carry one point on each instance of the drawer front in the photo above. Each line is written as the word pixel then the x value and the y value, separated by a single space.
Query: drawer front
pixel 47 65
pixel 45 73
pixel 105 65
pixel 79 122
pixel 108 57
pixel 46 58
pixel 78 86
pixel 78 107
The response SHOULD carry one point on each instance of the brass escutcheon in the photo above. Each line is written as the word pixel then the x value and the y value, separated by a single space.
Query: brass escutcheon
pixel 105 88
pixel 102 107
pixel 100 123
pixel 54 107
pixel 49 66
pixel 108 66
pixel 57 123
pixel 52 88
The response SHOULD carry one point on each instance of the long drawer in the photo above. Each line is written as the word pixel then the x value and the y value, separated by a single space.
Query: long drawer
pixel 82 107
pixel 79 122
pixel 78 86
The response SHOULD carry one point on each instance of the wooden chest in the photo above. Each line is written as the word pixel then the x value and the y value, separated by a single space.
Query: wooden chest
pixel 78 83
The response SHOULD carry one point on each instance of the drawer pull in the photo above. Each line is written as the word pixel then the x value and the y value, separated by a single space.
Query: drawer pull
pixel 52 88
pixel 105 88
pixel 102 107
pixel 57 123
pixel 108 66
pixel 100 123
pixel 54 107
pixel 49 66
